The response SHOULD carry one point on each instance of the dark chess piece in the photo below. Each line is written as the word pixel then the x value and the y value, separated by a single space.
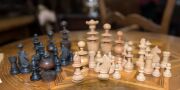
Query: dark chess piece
pixel 66 56
pixel 35 69
pixel 47 63
pixel 41 51
pixel 36 42
pixel 14 68
pixel 56 60
pixel 65 36
pixel 51 44
pixel 22 60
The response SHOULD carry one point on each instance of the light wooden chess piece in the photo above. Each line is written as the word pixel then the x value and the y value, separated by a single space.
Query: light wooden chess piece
pixel 83 56
pixel 156 72
pixel 116 74
pixel 140 76
pixel 92 62
pixel 1 58
pixel 129 65
pixel 92 39
pixel 167 72
pixel 148 65
pixel 99 61
pixel 148 48
pixel 165 60
pixel 112 68
pixel 77 77
pixel 104 68
pixel 142 47
pixel 156 58
pixel 106 41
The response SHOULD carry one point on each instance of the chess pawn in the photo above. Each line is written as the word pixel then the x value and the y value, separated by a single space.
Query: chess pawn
pixel 98 60
pixel 77 77
pixel 116 74
pixel 167 72
pixel 165 60
pixel 92 62
pixel 35 69
pixel 156 72
pixel 120 64
pixel 148 65
pixel 23 61
pixel 112 68
pixel 106 40
pixel 129 65
pixel 14 68
pixel 140 76
pixel 83 54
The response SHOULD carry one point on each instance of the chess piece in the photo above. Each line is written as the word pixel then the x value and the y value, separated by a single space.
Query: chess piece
pixel 66 56
pixel 106 41
pixel 92 62
pixel 65 36
pixel 140 76
pixel 92 39
pixel 36 43
pixel 119 62
pixel 142 52
pixel 165 60
pixel 167 72
pixel 112 68
pixel 83 54
pixel 99 61
pixel 104 68
pixel 47 63
pixel 22 60
pixel 35 69
pixel 156 58
pixel 77 77
pixel 156 72
pixel 148 65
pixel 14 68
pixel 129 65
pixel 116 74
pixel 148 49
pixel 56 60
pixel 50 45
pixel 41 51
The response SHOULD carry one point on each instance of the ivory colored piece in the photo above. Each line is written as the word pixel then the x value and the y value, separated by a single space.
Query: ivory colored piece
pixel 99 61
pixel 104 69
pixel 112 68
pixel 106 41
pixel 140 62
pixel 83 56
pixel 140 76
pixel 1 58
pixel 165 60
pixel 167 72
pixel 116 74
pixel 148 49
pixel 156 72
pixel 92 39
pixel 92 62
pixel 77 77
pixel 148 65
pixel 129 65
pixel 156 58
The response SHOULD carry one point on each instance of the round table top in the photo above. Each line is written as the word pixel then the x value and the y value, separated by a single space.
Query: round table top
pixel 22 82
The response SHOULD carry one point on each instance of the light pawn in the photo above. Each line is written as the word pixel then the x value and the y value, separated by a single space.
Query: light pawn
pixel 140 76
pixel 167 72
pixel 156 72
pixel 116 74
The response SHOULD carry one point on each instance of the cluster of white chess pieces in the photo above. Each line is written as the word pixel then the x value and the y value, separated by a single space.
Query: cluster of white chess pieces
pixel 149 61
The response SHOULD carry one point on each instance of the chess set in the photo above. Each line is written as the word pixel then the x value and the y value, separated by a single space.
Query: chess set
pixel 102 57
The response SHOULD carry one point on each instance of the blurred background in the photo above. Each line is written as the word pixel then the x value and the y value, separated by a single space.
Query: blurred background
pixel 20 19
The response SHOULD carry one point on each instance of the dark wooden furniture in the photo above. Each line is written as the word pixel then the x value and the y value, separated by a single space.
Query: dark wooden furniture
pixel 146 24
pixel 22 82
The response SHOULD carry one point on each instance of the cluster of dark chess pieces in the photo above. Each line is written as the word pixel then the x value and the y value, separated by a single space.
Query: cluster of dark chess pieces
pixel 104 56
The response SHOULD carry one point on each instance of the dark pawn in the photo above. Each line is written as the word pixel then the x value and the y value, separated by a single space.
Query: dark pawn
pixel 66 56
pixel 22 60
pixel 65 36
pixel 35 69
pixel 56 60
pixel 36 42
pixel 14 68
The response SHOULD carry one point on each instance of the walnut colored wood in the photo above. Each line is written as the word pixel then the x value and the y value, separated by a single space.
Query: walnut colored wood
pixel 127 82
pixel 143 22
